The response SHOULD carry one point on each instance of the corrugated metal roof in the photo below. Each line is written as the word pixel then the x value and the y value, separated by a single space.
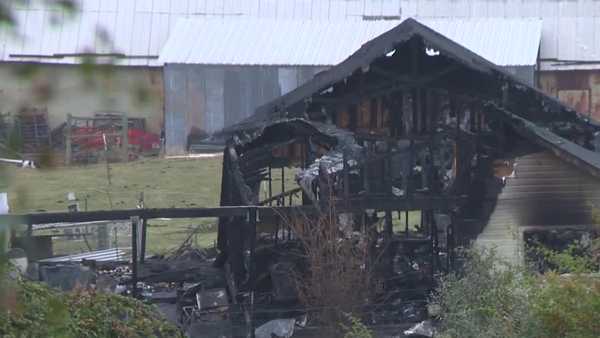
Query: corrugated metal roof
pixel 324 43
pixel 141 27
pixel 571 28
pixel 138 29
pixel 503 41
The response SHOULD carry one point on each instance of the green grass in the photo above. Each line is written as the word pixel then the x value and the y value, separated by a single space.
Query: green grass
pixel 181 183
pixel 165 183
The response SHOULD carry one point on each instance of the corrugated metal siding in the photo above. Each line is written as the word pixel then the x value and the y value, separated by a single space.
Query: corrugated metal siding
pixel 209 98
pixel 290 42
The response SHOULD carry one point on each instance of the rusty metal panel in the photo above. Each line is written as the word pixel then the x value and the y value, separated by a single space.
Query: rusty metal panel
pixel 578 99
pixel 579 89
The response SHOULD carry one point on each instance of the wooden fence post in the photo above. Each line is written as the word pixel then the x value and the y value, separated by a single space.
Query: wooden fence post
pixel 135 221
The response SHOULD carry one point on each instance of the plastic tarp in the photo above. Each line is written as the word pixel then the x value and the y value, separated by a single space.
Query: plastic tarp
pixel 283 328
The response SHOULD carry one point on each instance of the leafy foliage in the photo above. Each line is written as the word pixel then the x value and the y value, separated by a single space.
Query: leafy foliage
pixel 356 329
pixel 576 258
pixel 567 306
pixel 493 299
pixel 38 311
pixel 488 299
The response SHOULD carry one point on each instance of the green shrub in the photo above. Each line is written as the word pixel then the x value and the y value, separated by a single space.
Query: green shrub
pixel 488 299
pixel 356 329
pixel 493 299
pixel 38 311
pixel 567 306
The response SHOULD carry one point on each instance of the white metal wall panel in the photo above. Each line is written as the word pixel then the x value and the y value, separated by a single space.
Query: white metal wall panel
pixel 529 8
pixel 596 9
pixel 585 39
pixel 567 9
pixel 514 8
pixel 354 8
pixel 34 32
pixel 549 45
pixel 585 8
pixel 496 8
pixel 111 5
pixel 147 6
pixel 567 38
pixel 51 39
pixel 428 8
pixel 124 25
pixel 408 8
pixel 141 34
pixel 90 5
pixel 86 36
pixel 596 42
pixel 479 9
pixel 161 6
pixel 104 42
pixel 127 7
pixel 160 32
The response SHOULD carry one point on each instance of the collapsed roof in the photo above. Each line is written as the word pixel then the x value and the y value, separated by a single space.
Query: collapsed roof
pixel 446 64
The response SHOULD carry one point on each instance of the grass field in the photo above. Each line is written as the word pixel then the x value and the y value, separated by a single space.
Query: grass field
pixel 164 183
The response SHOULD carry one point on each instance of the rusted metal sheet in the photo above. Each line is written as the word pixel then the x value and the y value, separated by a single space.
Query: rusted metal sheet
pixel 578 89
pixel 578 99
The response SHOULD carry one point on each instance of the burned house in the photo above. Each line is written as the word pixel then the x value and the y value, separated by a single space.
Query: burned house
pixel 418 134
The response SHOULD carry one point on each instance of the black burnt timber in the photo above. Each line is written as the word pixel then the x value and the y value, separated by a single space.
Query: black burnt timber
pixel 538 228
pixel 387 88
pixel 272 199
pixel 561 147
pixel 252 268
pixel 401 204
pixel 383 203
pixel 134 254
pixel 245 193
pixel 256 179
pixel 144 238
pixel 412 81
pixel 114 215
